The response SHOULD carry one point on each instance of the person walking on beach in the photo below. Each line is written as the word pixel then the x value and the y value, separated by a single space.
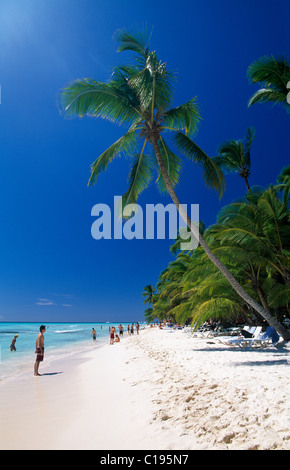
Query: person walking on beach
pixel 94 334
pixel 12 345
pixel 112 335
pixel 39 350
pixel 137 328
pixel 132 329
pixel 128 330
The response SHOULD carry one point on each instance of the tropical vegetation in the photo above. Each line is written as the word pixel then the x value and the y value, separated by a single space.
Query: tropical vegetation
pixel 252 237
pixel 140 96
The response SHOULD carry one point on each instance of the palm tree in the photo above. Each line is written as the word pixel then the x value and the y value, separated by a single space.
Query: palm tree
pixel 252 237
pixel 274 76
pixel 148 293
pixel 139 96
pixel 234 156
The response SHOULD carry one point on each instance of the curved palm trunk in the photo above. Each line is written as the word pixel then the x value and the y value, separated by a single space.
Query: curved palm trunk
pixel 222 268
pixel 247 183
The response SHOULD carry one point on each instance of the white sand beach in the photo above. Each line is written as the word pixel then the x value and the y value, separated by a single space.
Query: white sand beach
pixel 161 390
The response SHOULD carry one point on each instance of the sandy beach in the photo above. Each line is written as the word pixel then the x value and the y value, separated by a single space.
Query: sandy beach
pixel 161 390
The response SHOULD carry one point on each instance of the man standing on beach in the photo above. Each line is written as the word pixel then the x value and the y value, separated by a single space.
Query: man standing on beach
pixel 94 334
pixel 39 351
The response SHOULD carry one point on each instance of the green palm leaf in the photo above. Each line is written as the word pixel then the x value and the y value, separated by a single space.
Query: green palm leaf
pixel 279 296
pixel 265 95
pixel 139 178
pixel 172 163
pixel 274 75
pixel 86 97
pixel 274 72
pixel 212 174
pixel 136 42
pixel 183 118
pixel 125 145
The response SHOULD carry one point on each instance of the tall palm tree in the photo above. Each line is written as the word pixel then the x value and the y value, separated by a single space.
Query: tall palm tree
pixel 274 76
pixel 234 156
pixel 139 96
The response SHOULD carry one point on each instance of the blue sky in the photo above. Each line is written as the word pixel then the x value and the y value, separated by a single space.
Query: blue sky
pixel 51 269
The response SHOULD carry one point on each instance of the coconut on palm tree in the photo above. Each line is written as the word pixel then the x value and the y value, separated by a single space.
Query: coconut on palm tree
pixel 140 96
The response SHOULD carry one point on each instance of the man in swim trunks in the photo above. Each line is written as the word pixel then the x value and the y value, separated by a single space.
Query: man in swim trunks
pixel 39 351
pixel 94 334
pixel 12 345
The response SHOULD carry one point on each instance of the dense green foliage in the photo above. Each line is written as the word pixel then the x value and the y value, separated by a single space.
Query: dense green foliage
pixel 252 238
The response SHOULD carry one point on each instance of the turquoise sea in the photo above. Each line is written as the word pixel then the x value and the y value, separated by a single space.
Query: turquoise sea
pixel 61 340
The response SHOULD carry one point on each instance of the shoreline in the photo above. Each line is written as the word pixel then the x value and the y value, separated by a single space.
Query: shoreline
pixel 161 390
pixel 22 366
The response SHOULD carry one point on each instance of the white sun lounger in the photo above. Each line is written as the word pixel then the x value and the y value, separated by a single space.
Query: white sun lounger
pixel 226 339
pixel 248 342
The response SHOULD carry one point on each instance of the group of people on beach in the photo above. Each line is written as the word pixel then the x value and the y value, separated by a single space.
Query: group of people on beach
pixel 130 329
pixel 39 347
pixel 114 337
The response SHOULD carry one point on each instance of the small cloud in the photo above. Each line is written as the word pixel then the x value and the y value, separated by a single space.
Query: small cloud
pixel 66 305
pixel 44 302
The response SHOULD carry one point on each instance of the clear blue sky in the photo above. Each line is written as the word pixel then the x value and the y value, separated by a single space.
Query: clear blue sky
pixel 51 269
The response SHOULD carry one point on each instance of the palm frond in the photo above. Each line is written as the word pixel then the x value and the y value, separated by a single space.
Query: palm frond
pixel 139 178
pixel 229 158
pixel 125 145
pixel 265 95
pixel 212 174
pixel 216 309
pixel 185 117
pixel 274 72
pixel 86 97
pixel 172 163
pixel 132 41
pixel 279 296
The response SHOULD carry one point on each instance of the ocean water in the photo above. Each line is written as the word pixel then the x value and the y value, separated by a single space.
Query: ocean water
pixel 61 340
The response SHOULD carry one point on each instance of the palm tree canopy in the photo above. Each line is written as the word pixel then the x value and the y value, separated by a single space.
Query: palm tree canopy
pixel 140 97
pixel 274 75
pixel 234 155
pixel 148 293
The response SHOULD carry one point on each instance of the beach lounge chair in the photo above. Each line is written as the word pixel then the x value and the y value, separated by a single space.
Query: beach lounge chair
pixel 247 330
pixel 270 337
pixel 246 342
